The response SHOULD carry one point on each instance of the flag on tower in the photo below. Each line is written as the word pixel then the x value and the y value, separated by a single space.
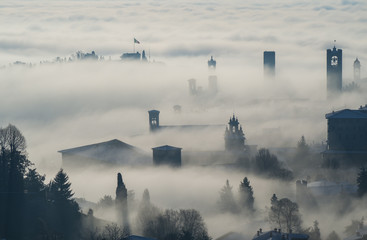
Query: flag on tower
pixel 136 41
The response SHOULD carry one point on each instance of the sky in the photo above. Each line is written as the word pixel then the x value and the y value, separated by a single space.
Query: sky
pixel 59 106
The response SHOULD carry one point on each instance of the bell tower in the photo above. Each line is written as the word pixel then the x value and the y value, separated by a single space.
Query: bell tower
pixel 334 67
pixel 153 120
pixel 234 137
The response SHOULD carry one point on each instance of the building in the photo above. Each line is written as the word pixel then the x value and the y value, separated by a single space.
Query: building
pixel 334 68
pixel 277 234
pixel 154 124
pixel 212 79
pixel 269 64
pixel 110 153
pixel 234 137
pixel 134 57
pixel 192 87
pixel 167 155
pixel 357 70
pixel 347 135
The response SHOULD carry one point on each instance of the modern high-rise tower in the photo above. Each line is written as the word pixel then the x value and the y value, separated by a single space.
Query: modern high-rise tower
pixel 357 70
pixel 334 67
pixel 269 64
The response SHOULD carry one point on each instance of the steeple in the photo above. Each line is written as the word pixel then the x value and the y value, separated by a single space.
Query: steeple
pixel 234 137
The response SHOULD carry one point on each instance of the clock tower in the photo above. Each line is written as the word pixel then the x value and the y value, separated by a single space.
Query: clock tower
pixel 334 67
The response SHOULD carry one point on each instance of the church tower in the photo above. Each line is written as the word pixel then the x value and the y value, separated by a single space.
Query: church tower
pixel 234 137
pixel 153 120
pixel 213 85
pixel 334 67
pixel 357 70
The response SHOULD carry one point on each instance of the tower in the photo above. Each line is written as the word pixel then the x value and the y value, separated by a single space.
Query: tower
pixel 357 70
pixel 334 65
pixel 234 137
pixel 192 86
pixel 269 64
pixel 212 79
pixel 153 120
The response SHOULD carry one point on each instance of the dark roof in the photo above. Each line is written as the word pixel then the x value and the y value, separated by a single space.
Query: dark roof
pixel 166 148
pixel 113 151
pixel 112 143
pixel 135 237
pixel 347 113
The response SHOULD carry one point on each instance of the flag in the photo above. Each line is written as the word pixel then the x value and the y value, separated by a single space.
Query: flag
pixel 136 41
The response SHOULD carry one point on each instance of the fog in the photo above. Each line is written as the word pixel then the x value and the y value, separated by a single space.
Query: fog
pixel 64 105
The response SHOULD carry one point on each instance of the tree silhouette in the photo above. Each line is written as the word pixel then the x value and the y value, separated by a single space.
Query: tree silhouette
pixel 362 182
pixel 226 201
pixel 284 214
pixel 246 196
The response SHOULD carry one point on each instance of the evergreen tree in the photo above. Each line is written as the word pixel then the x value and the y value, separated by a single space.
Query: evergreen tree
pixel 333 236
pixel 246 195
pixel 226 199
pixel 121 205
pixel 302 147
pixel 362 182
pixel 67 224
pixel 314 232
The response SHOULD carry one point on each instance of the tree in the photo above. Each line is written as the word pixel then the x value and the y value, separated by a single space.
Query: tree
pixel 246 196
pixel 267 164
pixel 314 232
pixel 121 204
pixel 146 220
pixel 226 199
pixel 63 206
pixel 13 165
pixel 192 226
pixel 333 236
pixel 105 202
pixel 362 182
pixel 284 214
pixel 354 226
pixel 302 147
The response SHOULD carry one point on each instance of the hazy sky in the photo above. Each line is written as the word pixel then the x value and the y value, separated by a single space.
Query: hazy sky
pixel 67 105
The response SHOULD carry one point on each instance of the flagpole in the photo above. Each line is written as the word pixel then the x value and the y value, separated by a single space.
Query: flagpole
pixel 134 46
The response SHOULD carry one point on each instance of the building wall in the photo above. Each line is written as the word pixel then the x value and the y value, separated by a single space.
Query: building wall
pixel 347 134
pixel 167 157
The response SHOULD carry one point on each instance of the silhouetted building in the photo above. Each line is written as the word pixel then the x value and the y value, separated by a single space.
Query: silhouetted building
pixel 357 70
pixel 212 79
pixel 154 124
pixel 134 57
pixel 153 120
pixel 108 153
pixel 234 137
pixel 269 64
pixel 277 234
pixel 212 63
pixel 86 56
pixel 334 67
pixel 192 86
pixel 347 135
pixel 167 155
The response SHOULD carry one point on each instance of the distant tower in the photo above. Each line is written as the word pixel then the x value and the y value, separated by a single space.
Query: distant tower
pixel 153 120
pixel 234 137
pixel 357 70
pixel 213 80
pixel 121 205
pixel 269 64
pixel 192 86
pixel 334 65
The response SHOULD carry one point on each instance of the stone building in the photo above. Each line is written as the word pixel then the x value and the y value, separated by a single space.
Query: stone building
pixel 334 69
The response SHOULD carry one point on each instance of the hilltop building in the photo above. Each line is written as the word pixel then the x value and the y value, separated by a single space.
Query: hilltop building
pixel 167 155
pixel 86 56
pixel 277 234
pixel 134 57
pixel 347 136
pixel 234 137
pixel 334 68
pixel 154 124
pixel 269 64
pixel 113 152
pixel 357 70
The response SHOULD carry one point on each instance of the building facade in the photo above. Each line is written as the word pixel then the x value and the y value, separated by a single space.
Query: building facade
pixel 167 155
pixel 234 137
pixel 357 70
